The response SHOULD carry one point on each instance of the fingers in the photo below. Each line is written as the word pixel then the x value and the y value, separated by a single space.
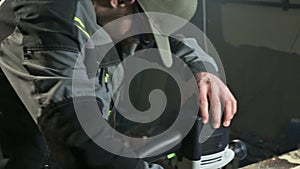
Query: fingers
pixel 234 105
pixel 230 109
pixel 203 89
pixel 228 113
pixel 216 107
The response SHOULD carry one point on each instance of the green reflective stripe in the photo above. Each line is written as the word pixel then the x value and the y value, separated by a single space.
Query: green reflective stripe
pixel 171 155
pixel 106 78
pixel 85 32
pixel 81 26
pixel 79 21
pixel 109 113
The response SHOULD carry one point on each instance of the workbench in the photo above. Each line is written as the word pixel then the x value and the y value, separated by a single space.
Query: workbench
pixel 289 160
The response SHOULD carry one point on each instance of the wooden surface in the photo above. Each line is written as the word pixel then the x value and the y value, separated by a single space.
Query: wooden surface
pixel 290 160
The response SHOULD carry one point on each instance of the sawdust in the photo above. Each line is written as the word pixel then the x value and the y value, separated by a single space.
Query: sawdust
pixel 292 157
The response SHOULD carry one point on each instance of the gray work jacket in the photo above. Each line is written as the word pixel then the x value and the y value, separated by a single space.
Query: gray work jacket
pixel 48 44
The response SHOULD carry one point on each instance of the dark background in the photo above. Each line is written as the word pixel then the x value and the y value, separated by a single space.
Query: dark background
pixel 259 45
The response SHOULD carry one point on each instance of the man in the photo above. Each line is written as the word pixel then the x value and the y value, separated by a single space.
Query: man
pixel 39 58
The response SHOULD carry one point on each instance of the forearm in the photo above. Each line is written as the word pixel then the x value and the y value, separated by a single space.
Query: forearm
pixel 40 59
pixel 193 55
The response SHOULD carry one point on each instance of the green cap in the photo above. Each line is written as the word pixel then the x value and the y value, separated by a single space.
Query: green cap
pixel 181 8
pixel 163 27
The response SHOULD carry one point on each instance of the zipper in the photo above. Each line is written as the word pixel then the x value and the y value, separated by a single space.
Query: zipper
pixel 46 161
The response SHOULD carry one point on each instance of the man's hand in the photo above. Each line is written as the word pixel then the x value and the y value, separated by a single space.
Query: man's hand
pixel 214 95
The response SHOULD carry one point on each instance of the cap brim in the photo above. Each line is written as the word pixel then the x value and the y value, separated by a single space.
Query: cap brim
pixel 163 45
pixel 184 9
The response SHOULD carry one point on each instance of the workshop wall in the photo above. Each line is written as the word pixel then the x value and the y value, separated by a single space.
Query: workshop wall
pixel 259 45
